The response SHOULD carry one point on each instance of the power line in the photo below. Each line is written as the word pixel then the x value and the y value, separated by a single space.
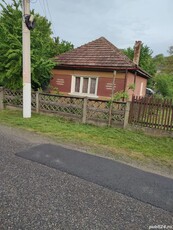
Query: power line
pixel 50 16
pixel 43 7
pixel 33 1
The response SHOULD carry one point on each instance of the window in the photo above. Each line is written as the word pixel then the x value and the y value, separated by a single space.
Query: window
pixel 84 85
pixel 77 84
pixel 93 86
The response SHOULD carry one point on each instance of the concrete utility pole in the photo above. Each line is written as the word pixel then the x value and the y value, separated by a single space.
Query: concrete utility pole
pixel 26 62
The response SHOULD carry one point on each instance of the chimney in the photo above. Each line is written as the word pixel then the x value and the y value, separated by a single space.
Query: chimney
pixel 137 49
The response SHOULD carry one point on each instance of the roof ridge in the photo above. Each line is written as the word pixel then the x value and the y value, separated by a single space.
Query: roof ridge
pixel 126 58
pixel 110 44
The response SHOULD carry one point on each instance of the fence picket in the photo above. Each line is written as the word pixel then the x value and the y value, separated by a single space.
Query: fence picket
pixel 171 120
pixel 151 112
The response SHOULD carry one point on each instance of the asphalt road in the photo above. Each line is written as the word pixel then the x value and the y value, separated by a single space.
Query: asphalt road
pixel 64 194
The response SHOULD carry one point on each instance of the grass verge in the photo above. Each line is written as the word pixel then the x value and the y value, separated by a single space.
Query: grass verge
pixel 122 144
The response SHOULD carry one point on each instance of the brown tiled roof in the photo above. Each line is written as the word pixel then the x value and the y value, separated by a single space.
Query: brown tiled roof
pixel 98 54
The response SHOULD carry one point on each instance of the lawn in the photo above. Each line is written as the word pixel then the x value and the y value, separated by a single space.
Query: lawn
pixel 117 143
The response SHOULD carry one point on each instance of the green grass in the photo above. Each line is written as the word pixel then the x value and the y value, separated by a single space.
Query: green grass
pixel 117 142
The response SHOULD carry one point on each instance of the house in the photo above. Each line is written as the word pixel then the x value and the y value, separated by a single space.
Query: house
pixel 94 68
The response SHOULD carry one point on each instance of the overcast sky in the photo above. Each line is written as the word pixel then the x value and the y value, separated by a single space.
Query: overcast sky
pixel 122 22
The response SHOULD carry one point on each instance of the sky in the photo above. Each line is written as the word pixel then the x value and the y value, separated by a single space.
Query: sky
pixel 122 22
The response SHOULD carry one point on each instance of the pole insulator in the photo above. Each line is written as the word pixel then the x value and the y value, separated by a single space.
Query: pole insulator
pixel 29 21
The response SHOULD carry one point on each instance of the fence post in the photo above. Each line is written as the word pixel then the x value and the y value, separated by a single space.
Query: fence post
pixel 37 101
pixel 110 113
pixel 84 114
pixel 126 116
pixel 1 98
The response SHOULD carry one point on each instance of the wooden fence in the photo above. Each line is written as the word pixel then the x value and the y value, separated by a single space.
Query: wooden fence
pixel 87 110
pixel 151 112
pixel 141 112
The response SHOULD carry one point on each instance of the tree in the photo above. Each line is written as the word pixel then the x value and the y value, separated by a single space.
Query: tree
pixel 163 80
pixel 146 61
pixel 62 46
pixel 170 50
pixel 43 48
pixel 159 61
pixel 164 64
pixel 168 68
pixel 10 45
pixel 164 84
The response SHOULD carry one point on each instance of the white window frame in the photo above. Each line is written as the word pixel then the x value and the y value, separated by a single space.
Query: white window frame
pixel 88 94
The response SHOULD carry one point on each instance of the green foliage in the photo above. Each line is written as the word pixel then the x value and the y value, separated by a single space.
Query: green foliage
pixel 164 84
pixel 150 83
pixel 129 52
pixel 170 50
pixel 163 80
pixel 168 67
pixel 121 95
pixel 42 52
pixel 55 90
pixel 10 45
pixel 164 64
pixel 62 46
pixel 159 61
pixel 146 61
pixel 118 96
pixel 132 87
pixel 43 48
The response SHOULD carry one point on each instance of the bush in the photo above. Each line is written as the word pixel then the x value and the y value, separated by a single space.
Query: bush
pixel 164 85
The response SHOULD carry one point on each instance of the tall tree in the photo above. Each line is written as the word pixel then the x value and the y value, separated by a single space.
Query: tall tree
pixel 170 50
pixel 145 61
pixel 43 48
pixel 10 45
pixel 164 64
pixel 168 67
pixel 62 46
pixel 159 61
pixel 164 84
pixel 42 53
pixel 163 80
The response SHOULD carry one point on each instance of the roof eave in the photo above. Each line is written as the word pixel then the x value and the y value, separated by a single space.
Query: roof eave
pixel 103 68
pixel 94 67
pixel 143 72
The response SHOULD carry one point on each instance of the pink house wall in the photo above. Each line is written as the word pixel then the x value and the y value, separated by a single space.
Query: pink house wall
pixel 140 85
